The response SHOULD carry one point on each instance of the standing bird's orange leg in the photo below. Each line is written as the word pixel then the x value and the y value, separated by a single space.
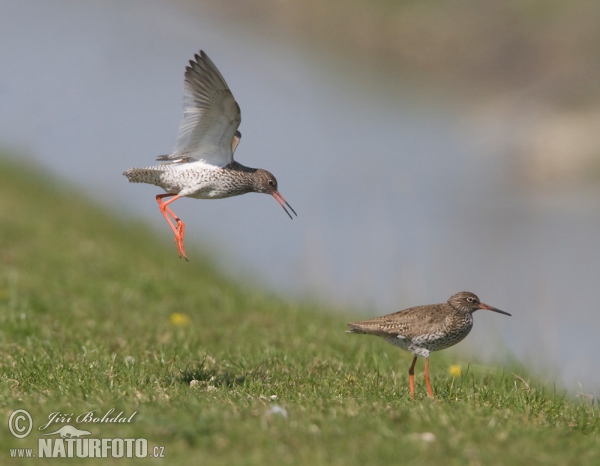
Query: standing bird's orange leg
pixel 180 229
pixel 411 378
pixel 429 389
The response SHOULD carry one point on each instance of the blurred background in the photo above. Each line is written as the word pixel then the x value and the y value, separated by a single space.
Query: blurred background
pixel 428 148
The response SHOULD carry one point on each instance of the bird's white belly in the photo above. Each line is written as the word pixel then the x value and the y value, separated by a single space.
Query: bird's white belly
pixel 416 346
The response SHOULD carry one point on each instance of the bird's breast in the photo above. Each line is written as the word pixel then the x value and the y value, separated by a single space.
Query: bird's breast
pixel 456 328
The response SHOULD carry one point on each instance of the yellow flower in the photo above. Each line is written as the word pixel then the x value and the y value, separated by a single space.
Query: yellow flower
pixel 455 370
pixel 178 318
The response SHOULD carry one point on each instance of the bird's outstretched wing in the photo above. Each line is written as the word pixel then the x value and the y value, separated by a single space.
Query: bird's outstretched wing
pixel 208 132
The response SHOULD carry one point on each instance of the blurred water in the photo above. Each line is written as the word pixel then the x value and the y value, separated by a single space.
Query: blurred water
pixel 401 200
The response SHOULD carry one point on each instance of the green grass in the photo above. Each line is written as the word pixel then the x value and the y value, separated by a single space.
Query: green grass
pixel 86 305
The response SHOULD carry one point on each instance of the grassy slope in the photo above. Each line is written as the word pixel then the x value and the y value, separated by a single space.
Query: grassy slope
pixel 85 312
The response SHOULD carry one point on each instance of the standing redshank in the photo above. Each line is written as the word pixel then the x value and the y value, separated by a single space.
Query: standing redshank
pixel 423 329
pixel 201 165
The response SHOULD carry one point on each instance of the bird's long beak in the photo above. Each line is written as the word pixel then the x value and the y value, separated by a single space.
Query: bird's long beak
pixel 282 202
pixel 492 308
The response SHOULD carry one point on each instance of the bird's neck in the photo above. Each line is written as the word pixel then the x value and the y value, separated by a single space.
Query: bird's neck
pixel 245 178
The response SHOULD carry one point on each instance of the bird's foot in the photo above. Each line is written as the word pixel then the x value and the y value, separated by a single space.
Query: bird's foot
pixel 179 235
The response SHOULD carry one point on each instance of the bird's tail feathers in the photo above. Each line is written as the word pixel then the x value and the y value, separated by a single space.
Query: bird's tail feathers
pixel 150 175
pixel 355 329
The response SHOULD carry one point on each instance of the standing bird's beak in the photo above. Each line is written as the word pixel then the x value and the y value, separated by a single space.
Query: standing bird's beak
pixel 492 308
pixel 282 202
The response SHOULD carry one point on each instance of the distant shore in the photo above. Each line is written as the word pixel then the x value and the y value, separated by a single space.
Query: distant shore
pixel 531 60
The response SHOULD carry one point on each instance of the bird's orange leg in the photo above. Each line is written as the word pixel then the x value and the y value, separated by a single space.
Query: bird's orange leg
pixel 163 207
pixel 411 377
pixel 429 389
pixel 179 230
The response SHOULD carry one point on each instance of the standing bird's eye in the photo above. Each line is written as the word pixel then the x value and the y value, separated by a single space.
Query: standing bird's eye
pixel 271 182
pixel 470 299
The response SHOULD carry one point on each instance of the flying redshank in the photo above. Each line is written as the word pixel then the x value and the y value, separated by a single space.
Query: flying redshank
pixel 201 165
pixel 423 329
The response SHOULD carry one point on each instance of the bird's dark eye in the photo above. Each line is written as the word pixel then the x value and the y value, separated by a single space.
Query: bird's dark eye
pixel 271 182
pixel 470 299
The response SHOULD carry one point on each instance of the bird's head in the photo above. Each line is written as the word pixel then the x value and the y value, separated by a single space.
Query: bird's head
pixel 469 302
pixel 267 183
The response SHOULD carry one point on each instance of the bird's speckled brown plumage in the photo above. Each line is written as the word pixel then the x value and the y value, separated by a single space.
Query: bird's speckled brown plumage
pixel 423 329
